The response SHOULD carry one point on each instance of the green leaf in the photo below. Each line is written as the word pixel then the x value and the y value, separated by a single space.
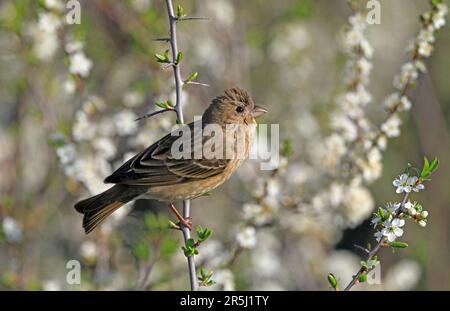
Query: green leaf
pixel 332 280
pixel 434 165
pixel 203 233
pixel 180 11
pixel 141 251
pixel 286 148
pixel 165 105
pixel 160 58
pixel 398 245
pixel 179 57
pixel 192 76
pixel 168 248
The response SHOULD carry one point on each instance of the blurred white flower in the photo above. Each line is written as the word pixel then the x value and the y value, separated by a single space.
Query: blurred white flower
pixel 343 264
pixel 222 11
pixel 141 5
pixel 125 123
pixel 439 17
pixel 80 64
pixel 408 75
pixel 425 48
pixel 345 126
pixel 51 285
pixel 403 276
pixel 69 86
pixel 133 98
pixel 12 229
pixel 82 128
pixel 66 153
pixel 358 204
pixel 54 5
pixel 335 146
pixel 391 127
pixel 426 35
pixel 105 127
pixel 224 279
pixel 49 22
pixel 45 44
pixel 246 237
pixel 73 46
pixel 105 147
pixel 266 262
pixel 89 250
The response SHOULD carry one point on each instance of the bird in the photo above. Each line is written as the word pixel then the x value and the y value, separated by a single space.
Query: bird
pixel 160 173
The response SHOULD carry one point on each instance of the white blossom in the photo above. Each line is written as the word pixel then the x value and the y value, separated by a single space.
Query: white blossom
pixel 408 75
pixel 105 147
pixel 73 46
pixel 393 229
pixel 403 276
pixel 246 237
pixel 80 64
pixel 133 99
pixel 224 279
pixel 66 153
pixel 402 184
pixel 54 5
pixel 422 223
pixel 69 86
pixel 82 129
pixel 12 229
pixel 358 204
pixel 49 22
pixel 51 285
pixel 425 48
pixel 391 127
pixel 125 123
pixel 89 250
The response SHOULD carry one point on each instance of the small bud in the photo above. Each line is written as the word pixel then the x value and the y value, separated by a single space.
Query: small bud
pixel 412 211
pixel 422 223
pixel 332 280
pixel 363 277
pixel 398 245
pixel 424 214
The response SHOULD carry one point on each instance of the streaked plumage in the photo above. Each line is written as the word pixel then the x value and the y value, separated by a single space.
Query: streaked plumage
pixel 157 174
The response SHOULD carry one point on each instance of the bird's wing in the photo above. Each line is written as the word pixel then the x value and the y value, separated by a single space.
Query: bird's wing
pixel 158 166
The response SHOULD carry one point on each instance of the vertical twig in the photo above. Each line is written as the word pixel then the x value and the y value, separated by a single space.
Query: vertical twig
pixel 179 112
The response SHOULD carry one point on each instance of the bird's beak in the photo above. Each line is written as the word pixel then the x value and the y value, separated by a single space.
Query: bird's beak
pixel 258 111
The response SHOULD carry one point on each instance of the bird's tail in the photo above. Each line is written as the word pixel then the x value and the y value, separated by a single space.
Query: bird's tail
pixel 97 208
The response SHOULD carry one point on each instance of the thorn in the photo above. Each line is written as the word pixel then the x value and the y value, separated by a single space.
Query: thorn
pixel 171 64
pixel 361 248
pixel 191 18
pixel 149 115
pixel 161 39
pixel 195 83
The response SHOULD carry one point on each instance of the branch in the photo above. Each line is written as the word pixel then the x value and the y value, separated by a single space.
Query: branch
pixel 179 112
pixel 151 114
pixel 376 249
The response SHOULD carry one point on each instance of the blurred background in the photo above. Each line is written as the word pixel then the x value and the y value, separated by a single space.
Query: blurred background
pixel 69 94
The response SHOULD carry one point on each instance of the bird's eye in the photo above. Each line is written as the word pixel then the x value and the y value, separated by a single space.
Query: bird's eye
pixel 240 109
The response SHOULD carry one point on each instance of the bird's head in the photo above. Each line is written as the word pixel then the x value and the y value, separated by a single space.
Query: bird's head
pixel 234 106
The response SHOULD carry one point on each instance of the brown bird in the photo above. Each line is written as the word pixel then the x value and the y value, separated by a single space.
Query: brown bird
pixel 158 173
